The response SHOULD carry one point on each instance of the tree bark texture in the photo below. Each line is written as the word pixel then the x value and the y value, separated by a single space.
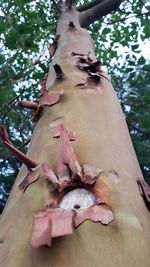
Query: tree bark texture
pixel 102 140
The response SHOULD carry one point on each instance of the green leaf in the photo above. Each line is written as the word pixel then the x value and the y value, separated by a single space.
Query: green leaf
pixel 106 30
pixel 134 47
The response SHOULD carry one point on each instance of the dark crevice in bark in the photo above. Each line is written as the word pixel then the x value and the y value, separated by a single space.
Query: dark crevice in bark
pixel 98 11
pixel 69 3
pixel 58 71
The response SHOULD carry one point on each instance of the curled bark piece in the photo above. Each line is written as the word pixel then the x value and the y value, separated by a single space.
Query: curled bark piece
pixel 50 224
pixel 47 99
pixel 49 174
pixel 144 191
pixel 67 166
pixel 37 113
pixel 52 48
pixel 102 192
pixel 89 66
pixel 41 230
pixel 62 221
pixel 20 155
pixel 30 178
pixel 57 199
pixel 94 77
pixel 58 71
pixel 104 76
pixel 86 63
pixel 57 133
pixel 89 174
pixel 50 99
pixel 28 104
pixel 82 58
pixel 43 86
pixel 96 213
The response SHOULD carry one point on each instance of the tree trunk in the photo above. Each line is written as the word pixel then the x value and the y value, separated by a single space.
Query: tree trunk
pixel 103 141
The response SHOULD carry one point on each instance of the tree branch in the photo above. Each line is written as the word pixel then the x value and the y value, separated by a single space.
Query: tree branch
pixel 146 134
pixel 98 11
pixel 89 5
pixel 129 17
pixel 69 4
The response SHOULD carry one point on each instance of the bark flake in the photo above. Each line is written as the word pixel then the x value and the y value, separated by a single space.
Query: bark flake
pixel 30 178
pixel 144 191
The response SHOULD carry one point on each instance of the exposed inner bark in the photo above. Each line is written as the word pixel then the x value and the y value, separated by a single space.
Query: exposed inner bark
pixel 78 199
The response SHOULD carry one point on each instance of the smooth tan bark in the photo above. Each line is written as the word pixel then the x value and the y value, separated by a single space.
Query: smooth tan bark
pixel 102 141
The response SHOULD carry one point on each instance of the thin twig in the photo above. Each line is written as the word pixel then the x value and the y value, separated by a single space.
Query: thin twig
pixel 123 19
pixel 147 135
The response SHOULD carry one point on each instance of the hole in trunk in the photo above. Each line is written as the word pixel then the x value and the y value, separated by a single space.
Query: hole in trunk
pixel 76 199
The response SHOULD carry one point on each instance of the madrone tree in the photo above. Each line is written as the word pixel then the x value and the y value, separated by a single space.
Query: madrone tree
pixel 76 201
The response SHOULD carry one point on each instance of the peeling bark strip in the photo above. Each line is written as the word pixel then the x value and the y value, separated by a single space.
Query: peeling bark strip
pixel 68 211
pixel 41 231
pixel 52 48
pixel 28 104
pixel 96 213
pixel 47 99
pixel 50 99
pixel 43 86
pixel 57 133
pixel 49 174
pixel 30 178
pixel 49 224
pixel 20 155
pixel 74 183
pixel 66 158
pixel 144 191
pixel 102 192
pixel 93 68
pixel 89 174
